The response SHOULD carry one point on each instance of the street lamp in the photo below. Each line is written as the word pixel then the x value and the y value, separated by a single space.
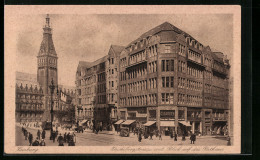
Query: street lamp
pixel 52 87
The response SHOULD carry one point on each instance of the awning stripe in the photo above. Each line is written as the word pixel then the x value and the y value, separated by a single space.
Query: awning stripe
pixel 128 122
pixel 119 122
pixel 149 123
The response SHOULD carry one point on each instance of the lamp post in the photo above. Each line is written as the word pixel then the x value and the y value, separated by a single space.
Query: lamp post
pixel 52 87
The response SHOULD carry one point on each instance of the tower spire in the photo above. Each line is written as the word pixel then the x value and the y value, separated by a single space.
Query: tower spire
pixel 47 21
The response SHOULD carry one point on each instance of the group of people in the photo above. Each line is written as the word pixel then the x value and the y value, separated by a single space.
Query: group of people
pixel 67 138
pixel 37 142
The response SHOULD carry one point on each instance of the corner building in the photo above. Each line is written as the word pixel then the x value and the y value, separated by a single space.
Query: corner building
pixel 97 89
pixel 169 80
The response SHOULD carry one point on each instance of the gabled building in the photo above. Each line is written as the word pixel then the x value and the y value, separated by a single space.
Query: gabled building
pixel 96 84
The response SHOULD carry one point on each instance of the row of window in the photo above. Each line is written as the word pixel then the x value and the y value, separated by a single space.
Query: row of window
pixel 167 65
pixel 111 61
pixel 207 61
pixel 137 72
pixel 194 56
pixel 181 82
pixel 194 100
pixel 112 71
pixel 101 77
pixel 23 96
pixel 101 99
pixel 167 82
pixel 29 107
pixel 207 88
pixel 219 91
pixel 89 80
pixel 122 88
pixel 123 62
pixel 181 66
pixel 137 86
pixel 101 88
pixel 152 51
pixel 122 76
pixel 111 97
pixel 30 115
pixel 194 85
pixel 122 101
pixel 152 67
pixel 167 98
pixel 142 100
pixel 194 72
pixel 182 50
pixel 138 57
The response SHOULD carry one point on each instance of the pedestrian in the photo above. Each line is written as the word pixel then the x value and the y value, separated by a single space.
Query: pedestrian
pixel 53 136
pixel 134 130
pixel 65 137
pixel 139 137
pixel 160 135
pixel 39 134
pixel 74 137
pixel 30 138
pixel 60 140
pixel 183 137
pixel 171 134
pixel 42 143
pixel 71 142
pixel 228 141
pixel 151 135
pixel 157 133
pixel 193 138
pixel 36 142
pixel 175 136
pixel 68 137
pixel 56 133
pixel 26 135
pixel 43 134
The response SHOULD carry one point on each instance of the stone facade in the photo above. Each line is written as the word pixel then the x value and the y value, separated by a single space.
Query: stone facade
pixel 172 81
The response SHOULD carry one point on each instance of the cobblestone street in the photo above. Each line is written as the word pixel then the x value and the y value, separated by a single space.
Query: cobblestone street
pixel 105 138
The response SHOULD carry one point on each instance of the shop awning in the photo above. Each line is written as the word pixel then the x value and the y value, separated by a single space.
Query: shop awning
pixel 167 124
pixel 185 123
pixel 119 122
pixel 128 122
pixel 84 121
pixel 149 123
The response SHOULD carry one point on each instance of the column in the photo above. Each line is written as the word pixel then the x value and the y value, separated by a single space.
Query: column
pixel 193 127
pixel 176 119
pixel 201 127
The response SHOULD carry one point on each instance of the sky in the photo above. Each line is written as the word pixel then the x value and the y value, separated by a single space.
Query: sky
pixel 88 37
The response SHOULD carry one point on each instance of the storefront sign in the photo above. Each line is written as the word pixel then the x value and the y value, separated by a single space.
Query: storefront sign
pixel 167 114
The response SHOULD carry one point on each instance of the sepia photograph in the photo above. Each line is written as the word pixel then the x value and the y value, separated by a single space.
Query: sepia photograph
pixel 122 79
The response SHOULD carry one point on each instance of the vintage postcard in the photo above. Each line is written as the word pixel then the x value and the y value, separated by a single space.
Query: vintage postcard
pixel 122 79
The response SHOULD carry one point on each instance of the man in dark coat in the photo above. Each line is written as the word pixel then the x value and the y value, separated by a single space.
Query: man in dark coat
pixel 43 134
pixel 192 138
pixel 39 134
pixel 53 136
pixel 151 135
pixel 60 140
pixel 71 141
pixel 175 136
pixel 139 136
pixel 68 137
pixel 228 141
pixel 65 137
pixel 30 138
pixel 26 135
pixel 183 137
pixel 171 134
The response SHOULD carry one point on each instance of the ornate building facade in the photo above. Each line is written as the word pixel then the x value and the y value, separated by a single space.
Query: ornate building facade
pixel 33 95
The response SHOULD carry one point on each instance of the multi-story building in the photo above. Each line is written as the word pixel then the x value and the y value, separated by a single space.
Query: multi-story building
pixel 169 80
pixel 96 95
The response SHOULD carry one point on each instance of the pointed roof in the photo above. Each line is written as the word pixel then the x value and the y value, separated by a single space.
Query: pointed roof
pixel 166 26
pixel 83 64
pixel 117 49
pixel 47 46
